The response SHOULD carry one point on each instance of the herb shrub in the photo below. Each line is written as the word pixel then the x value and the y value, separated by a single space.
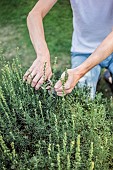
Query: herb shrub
pixel 41 131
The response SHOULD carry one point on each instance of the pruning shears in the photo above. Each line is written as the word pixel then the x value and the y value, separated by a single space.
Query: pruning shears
pixel 49 86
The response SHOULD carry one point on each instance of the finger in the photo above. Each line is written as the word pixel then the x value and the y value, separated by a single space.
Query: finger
pixel 48 87
pixel 35 80
pixel 33 73
pixel 64 92
pixel 59 89
pixel 40 82
pixel 60 94
pixel 68 91
pixel 29 79
pixel 50 75
pixel 66 87
pixel 27 74
pixel 31 76
pixel 58 85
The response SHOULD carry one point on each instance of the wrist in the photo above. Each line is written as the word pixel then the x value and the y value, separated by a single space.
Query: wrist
pixel 79 71
pixel 44 53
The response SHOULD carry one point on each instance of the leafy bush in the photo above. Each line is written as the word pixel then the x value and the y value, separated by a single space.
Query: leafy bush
pixel 40 131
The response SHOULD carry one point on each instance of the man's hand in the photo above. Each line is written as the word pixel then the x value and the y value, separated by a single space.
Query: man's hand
pixel 35 74
pixel 74 75
pixel 73 78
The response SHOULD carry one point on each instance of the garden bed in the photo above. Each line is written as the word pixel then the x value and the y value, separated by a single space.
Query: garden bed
pixel 39 131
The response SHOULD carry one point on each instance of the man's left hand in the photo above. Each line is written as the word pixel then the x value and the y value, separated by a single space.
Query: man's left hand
pixel 73 78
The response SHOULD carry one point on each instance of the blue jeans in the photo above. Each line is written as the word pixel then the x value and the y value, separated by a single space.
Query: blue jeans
pixel 91 78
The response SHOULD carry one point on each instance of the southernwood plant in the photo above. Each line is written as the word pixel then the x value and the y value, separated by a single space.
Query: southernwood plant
pixel 41 131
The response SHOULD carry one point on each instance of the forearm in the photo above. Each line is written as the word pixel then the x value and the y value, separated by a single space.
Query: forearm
pixel 101 53
pixel 36 32
pixel 35 26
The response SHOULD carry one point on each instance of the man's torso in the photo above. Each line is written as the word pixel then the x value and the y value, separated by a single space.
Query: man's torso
pixel 92 22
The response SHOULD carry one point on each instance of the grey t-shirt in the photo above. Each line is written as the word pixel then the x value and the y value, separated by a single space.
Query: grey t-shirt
pixel 92 22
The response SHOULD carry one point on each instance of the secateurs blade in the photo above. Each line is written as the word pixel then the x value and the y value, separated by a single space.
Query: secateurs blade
pixel 49 86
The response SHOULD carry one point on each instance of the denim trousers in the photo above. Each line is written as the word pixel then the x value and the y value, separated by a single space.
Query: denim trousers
pixel 90 79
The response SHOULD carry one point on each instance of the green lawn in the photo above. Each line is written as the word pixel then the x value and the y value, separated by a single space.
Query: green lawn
pixel 58 32
pixel 13 31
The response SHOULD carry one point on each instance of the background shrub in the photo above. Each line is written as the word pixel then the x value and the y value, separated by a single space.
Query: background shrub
pixel 39 131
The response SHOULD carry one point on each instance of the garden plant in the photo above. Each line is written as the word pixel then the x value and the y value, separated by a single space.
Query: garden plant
pixel 41 131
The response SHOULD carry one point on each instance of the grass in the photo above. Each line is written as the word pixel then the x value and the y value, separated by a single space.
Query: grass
pixel 14 30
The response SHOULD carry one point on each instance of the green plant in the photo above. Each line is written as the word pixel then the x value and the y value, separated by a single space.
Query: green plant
pixel 41 132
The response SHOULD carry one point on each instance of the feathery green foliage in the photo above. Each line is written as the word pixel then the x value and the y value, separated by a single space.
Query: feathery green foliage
pixel 39 131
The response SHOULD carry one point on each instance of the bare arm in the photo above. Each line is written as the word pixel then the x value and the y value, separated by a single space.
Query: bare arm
pixel 74 75
pixel 36 32
pixel 35 25
pixel 101 53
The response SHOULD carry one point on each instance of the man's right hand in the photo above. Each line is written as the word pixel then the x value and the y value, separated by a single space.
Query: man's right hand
pixel 35 74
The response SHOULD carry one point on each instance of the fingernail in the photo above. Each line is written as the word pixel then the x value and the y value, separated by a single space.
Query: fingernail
pixel 36 88
pixel 33 84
